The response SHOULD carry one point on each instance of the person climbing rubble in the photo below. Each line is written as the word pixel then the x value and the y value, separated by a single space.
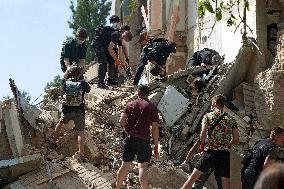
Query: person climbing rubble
pixel 157 51
pixel 73 108
pixel 205 57
pixel 193 155
pixel 221 132
pixel 108 45
pixel 136 120
pixel 74 50
pixel 263 153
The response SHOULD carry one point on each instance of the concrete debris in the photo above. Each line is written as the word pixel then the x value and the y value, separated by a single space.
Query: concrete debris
pixel 182 98
pixel 172 105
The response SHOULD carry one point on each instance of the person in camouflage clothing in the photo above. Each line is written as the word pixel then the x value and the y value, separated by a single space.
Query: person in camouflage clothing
pixel 220 131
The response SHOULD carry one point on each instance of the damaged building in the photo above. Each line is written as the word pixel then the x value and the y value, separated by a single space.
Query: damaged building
pixel 252 78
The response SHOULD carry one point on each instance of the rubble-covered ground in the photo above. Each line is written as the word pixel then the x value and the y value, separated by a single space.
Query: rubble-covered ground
pixel 182 99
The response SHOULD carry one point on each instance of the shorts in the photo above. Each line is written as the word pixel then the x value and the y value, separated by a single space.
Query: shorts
pixel 77 117
pixel 218 160
pixel 136 146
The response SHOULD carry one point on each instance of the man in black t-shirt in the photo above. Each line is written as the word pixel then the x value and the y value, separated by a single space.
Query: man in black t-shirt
pixel 74 50
pixel 108 54
pixel 260 156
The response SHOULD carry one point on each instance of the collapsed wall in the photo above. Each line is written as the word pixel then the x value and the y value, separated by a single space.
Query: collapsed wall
pixel 269 98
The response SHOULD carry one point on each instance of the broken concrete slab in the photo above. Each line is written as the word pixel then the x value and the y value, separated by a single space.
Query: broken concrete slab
pixel 19 160
pixel 172 105
pixel 13 130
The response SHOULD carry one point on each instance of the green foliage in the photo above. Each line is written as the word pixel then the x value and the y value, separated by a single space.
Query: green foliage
pixel 208 6
pixel 26 96
pixel 225 6
pixel 56 82
pixel 132 6
pixel 220 8
pixel 89 14
pixel 6 97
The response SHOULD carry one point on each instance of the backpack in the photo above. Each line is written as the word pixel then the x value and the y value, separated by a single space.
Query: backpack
pixel 102 33
pixel 158 50
pixel 73 93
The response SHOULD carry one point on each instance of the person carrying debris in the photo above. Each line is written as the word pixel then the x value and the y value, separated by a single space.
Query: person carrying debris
pixel 74 50
pixel 108 46
pixel 221 130
pixel 262 154
pixel 136 120
pixel 204 57
pixel 73 108
pixel 199 183
pixel 157 51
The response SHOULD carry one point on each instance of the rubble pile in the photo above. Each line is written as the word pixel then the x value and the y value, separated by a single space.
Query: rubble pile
pixel 182 99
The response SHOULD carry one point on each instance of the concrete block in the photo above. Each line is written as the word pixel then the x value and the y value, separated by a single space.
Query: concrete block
pixel 13 130
pixel 172 105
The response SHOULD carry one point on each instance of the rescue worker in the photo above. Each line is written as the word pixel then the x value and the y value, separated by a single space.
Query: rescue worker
pixel 73 108
pixel 264 152
pixel 74 50
pixel 157 51
pixel 107 45
pixel 221 132
pixel 205 57
pixel 139 118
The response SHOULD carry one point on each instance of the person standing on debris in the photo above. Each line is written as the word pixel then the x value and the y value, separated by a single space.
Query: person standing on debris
pixel 115 23
pixel 136 120
pixel 73 108
pixel 157 51
pixel 221 132
pixel 108 47
pixel 263 153
pixel 205 57
pixel 74 50
pixel 204 177
pixel 271 177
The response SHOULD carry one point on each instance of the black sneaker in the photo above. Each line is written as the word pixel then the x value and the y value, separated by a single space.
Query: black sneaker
pixel 102 86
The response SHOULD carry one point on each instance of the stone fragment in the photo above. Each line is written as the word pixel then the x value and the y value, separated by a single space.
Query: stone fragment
pixel 172 105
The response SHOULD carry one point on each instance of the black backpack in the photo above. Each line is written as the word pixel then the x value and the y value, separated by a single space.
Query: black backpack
pixel 101 38
pixel 159 49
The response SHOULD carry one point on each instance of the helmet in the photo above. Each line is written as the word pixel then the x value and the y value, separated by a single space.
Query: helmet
pixel 114 19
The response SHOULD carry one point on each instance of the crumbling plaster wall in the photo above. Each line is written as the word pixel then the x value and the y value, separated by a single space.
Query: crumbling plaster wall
pixel 269 98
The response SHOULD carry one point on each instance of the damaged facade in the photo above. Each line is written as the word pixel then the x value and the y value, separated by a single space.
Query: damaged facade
pixel 252 79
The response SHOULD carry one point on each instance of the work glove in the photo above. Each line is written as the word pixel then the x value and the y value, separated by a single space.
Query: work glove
pixel 117 62
pixel 156 152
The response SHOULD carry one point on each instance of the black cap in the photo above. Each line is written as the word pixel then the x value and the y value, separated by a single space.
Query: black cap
pixel 114 19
